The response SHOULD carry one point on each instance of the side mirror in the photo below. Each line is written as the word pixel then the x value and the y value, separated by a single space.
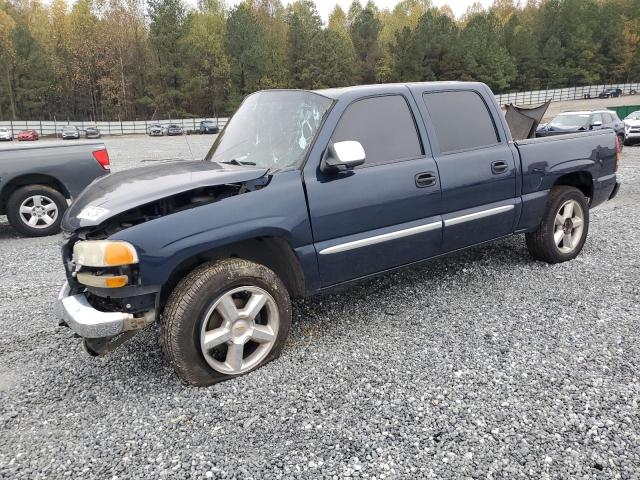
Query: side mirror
pixel 596 124
pixel 343 156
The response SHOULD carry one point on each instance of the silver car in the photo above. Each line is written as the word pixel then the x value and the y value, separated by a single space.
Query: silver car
pixel 70 132
pixel 5 134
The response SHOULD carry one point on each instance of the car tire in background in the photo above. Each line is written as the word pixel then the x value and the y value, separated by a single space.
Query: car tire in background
pixel 36 210
pixel 223 320
pixel 564 227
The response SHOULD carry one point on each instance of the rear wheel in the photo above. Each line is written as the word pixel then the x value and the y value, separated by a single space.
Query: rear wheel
pixel 36 210
pixel 225 319
pixel 564 227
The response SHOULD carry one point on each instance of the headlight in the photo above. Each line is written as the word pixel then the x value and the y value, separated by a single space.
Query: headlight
pixel 104 253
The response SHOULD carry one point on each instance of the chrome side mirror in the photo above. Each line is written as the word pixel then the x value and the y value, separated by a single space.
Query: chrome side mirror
pixel 343 156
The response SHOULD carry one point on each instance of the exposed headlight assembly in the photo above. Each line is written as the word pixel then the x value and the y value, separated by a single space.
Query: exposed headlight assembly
pixel 103 254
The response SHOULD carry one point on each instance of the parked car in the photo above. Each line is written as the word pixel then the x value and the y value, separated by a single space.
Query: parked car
pixel 632 128
pixel 308 191
pixel 174 129
pixel 70 132
pixel 5 134
pixel 92 132
pixel 208 126
pixel 27 135
pixel 36 182
pixel 573 122
pixel 156 130
pixel 610 93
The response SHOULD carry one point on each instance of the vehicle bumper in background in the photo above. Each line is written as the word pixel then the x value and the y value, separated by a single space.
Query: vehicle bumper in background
pixel 88 322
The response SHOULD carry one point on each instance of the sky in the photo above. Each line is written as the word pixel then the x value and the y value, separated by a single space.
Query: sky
pixel 325 6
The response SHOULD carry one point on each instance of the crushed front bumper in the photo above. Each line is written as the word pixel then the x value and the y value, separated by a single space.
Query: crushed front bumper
pixel 88 322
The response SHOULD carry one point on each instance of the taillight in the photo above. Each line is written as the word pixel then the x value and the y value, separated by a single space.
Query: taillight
pixel 102 157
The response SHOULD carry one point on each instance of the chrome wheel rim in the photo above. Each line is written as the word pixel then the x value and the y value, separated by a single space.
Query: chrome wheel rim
pixel 239 330
pixel 38 211
pixel 568 226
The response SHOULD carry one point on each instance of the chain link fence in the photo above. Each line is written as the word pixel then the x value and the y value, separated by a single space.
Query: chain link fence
pixel 534 97
pixel 107 128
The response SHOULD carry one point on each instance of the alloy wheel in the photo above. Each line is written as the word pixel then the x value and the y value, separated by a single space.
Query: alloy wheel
pixel 239 330
pixel 568 226
pixel 38 211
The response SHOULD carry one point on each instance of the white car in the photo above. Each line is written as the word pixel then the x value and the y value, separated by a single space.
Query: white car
pixel 632 128
pixel 5 134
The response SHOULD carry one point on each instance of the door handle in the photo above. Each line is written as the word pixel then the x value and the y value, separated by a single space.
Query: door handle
pixel 426 179
pixel 499 167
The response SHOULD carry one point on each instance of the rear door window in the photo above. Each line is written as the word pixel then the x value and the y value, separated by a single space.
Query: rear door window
pixel 461 120
pixel 384 126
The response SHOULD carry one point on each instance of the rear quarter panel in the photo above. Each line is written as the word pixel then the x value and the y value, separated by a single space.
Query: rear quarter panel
pixel 544 160
pixel 72 165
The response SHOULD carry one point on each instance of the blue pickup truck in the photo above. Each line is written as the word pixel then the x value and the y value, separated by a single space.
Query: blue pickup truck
pixel 306 191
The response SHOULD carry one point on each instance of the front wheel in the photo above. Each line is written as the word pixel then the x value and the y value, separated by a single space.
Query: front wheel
pixel 564 227
pixel 223 320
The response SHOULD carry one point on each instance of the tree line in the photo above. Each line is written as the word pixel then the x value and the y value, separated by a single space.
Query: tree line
pixel 137 59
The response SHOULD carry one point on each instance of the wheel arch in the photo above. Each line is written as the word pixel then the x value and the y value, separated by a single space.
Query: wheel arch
pixel 30 179
pixel 582 180
pixel 274 253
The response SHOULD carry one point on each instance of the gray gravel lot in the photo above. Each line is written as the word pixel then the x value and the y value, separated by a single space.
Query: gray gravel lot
pixel 482 365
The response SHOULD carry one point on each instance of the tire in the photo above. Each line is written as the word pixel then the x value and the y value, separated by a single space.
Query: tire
pixel 197 305
pixel 47 218
pixel 542 243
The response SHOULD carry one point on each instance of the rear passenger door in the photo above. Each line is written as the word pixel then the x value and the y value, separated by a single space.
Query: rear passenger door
pixel 476 166
pixel 384 213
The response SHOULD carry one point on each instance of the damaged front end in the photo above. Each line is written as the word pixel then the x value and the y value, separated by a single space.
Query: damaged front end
pixel 105 299
pixel 102 300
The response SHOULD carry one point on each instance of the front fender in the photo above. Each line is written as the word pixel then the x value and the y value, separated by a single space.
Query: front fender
pixel 277 210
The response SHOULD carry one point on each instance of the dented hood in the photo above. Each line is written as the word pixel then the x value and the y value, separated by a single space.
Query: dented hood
pixel 121 191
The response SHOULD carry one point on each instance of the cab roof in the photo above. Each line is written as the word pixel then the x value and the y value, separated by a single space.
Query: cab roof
pixel 336 93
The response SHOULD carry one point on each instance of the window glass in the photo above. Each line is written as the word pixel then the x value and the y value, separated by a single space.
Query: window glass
pixel 597 117
pixel 461 120
pixel 272 129
pixel 383 125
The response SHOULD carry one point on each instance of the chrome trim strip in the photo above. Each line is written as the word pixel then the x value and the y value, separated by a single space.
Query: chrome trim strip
pixel 385 237
pixel 477 215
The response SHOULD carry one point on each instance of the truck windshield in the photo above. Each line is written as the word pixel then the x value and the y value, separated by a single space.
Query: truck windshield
pixel 573 120
pixel 272 129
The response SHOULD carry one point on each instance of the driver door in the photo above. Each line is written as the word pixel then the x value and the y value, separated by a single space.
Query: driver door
pixel 386 212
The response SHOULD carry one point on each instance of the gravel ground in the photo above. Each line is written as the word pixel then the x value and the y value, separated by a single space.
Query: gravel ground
pixel 482 365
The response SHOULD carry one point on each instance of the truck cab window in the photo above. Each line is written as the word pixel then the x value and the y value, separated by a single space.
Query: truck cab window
pixel 384 126
pixel 461 120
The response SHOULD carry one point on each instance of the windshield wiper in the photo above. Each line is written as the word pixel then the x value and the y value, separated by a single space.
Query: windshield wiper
pixel 238 162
